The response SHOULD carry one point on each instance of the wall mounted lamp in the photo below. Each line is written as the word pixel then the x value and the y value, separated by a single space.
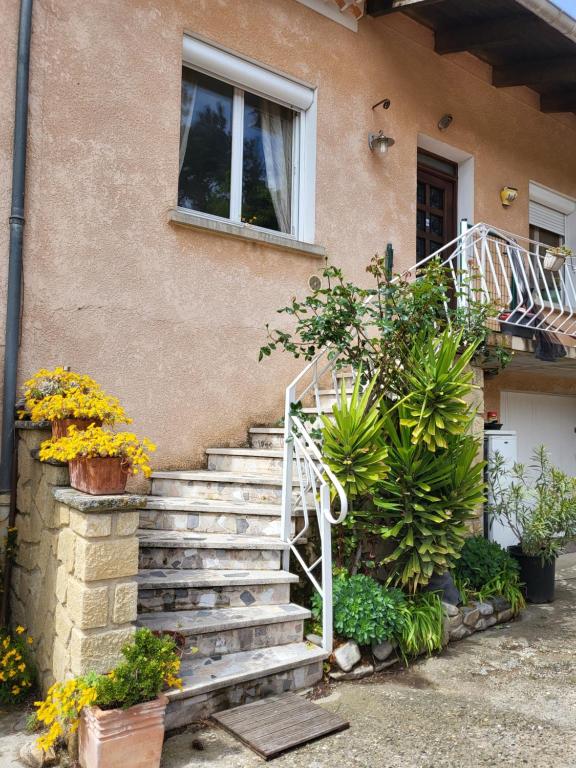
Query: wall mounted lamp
pixel 445 122
pixel 508 195
pixel 379 143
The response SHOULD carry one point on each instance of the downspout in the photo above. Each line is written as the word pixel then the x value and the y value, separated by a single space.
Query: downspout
pixel 14 294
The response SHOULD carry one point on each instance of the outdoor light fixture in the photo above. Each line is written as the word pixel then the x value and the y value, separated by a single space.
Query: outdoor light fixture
pixel 508 195
pixel 379 143
pixel 445 122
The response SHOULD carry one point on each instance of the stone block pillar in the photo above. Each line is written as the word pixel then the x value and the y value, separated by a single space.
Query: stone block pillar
pixel 73 584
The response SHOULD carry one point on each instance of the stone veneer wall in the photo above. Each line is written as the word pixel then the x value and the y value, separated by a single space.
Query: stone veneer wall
pixel 73 582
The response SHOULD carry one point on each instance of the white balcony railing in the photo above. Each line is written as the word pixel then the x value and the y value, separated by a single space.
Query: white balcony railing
pixel 487 265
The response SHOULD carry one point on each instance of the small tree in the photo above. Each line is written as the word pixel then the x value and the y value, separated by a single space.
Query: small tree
pixel 537 502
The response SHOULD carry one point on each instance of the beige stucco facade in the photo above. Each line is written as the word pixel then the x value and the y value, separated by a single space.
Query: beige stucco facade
pixel 168 318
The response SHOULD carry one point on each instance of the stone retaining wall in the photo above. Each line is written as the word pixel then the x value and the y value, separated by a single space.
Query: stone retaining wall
pixel 459 622
pixel 73 582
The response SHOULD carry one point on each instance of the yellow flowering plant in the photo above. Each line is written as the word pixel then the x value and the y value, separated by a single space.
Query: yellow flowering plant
pixel 16 670
pixel 61 394
pixel 97 442
pixel 80 405
pixel 151 663
pixel 60 711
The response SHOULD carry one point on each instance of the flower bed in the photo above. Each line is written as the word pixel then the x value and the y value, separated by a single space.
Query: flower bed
pixel 352 662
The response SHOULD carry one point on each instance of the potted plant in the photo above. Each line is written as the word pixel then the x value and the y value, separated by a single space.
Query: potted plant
pixel 555 258
pixel 538 503
pixel 120 715
pixel 99 461
pixel 65 398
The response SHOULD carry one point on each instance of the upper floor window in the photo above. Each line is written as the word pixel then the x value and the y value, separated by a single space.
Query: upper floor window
pixel 246 154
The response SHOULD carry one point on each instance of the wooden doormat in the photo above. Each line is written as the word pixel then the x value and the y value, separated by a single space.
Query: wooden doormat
pixel 274 725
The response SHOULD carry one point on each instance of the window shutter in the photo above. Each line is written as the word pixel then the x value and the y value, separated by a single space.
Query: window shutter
pixel 547 218
pixel 218 63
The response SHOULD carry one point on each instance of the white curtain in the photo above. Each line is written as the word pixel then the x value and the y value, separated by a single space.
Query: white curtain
pixel 187 111
pixel 277 146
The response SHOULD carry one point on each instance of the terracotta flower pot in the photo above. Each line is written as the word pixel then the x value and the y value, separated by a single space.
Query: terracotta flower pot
pixel 99 475
pixel 122 738
pixel 60 426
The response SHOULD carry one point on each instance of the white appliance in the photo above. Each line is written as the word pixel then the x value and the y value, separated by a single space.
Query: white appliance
pixel 505 443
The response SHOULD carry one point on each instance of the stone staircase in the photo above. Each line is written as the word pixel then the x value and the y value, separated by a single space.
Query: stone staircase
pixel 211 571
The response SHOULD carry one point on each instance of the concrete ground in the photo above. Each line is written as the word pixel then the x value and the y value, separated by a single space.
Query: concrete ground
pixel 504 697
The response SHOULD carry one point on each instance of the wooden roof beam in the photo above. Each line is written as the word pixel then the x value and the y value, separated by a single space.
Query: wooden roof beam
pixel 559 70
pixel 559 101
pixel 456 39
pixel 382 7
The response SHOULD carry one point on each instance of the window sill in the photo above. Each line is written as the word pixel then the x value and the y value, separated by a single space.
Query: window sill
pixel 244 232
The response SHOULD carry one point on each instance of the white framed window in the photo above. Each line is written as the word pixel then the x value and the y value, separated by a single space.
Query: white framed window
pixel 552 217
pixel 247 143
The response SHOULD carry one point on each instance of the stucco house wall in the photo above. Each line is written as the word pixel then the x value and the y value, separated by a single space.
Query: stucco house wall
pixel 170 319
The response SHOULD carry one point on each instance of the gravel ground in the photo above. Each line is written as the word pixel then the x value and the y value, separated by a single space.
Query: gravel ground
pixel 504 697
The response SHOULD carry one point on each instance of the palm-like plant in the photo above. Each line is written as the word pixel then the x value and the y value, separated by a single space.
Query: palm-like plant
pixel 353 444
pixel 424 502
pixel 438 381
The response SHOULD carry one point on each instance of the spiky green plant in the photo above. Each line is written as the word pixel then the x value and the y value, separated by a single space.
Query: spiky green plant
pixel 438 381
pixel 353 445
pixel 423 628
pixel 424 502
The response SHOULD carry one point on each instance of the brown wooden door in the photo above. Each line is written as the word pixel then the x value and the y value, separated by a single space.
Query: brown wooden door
pixel 435 210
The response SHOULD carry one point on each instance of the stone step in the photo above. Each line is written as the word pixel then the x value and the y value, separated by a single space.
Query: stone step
pixel 224 486
pixel 267 438
pixel 220 631
pixel 180 590
pixel 250 460
pixel 213 685
pixel 176 513
pixel 189 551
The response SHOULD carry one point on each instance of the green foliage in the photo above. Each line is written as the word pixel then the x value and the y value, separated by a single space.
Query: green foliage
pixel 410 470
pixel 423 627
pixel 438 381
pixel 481 561
pixel 374 327
pixel 364 610
pixel 424 503
pixel 538 503
pixel 485 570
pixel 151 663
pixel 506 585
pixel 353 444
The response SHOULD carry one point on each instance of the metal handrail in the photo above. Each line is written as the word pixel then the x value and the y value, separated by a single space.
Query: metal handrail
pixel 488 265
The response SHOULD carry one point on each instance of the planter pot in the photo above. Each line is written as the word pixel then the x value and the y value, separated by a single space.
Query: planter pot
pixel 99 476
pixel 553 262
pixel 60 426
pixel 538 578
pixel 122 738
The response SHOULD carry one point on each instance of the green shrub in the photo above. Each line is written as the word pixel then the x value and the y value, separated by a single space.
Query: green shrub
pixel 486 570
pixel 364 610
pixel 481 561
pixel 151 663
pixel 423 626
pixel 506 585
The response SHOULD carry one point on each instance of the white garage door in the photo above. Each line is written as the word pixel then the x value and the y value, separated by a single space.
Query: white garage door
pixel 542 419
